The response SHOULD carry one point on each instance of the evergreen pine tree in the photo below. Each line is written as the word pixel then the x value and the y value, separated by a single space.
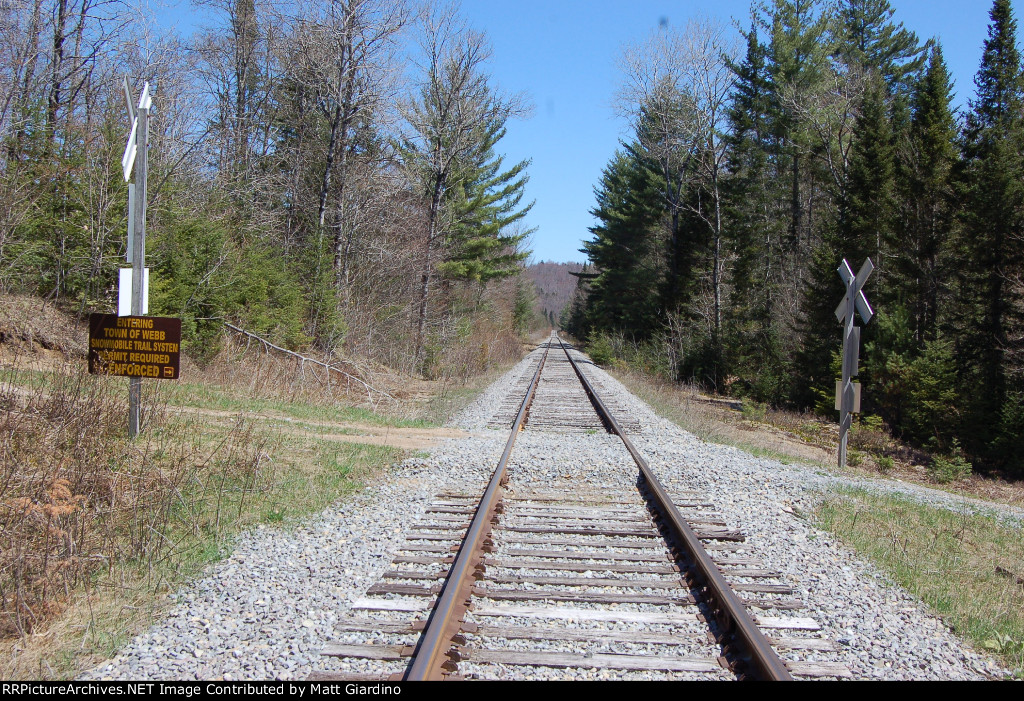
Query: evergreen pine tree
pixel 625 252
pixel 928 157
pixel 812 375
pixel 798 59
pixel 483 244
pixel 751 197
pixel 665 145
pixel 870 42
pixel 867 209
pixel 990 326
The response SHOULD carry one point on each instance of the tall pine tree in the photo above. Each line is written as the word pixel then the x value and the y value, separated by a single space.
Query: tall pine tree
pixel 869 42
pixel 625 250
pixel 866 215
pixel 798 57
pixel 992 243
pixel 486 203
pixel 754 335
pixel 928 157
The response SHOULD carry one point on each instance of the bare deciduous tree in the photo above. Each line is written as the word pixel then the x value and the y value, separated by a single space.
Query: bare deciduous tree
pixel 345 50
pixel 446 121
pixel 676 91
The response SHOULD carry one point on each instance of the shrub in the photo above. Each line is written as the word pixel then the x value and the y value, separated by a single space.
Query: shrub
pixel 755 411
pixel 868 434
pixel 946 469
pixel 873 423
pixel 600 351
pixel 931 397
pixel 92 500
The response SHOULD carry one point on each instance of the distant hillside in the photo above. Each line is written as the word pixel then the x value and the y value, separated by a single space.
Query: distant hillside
pixel 555 285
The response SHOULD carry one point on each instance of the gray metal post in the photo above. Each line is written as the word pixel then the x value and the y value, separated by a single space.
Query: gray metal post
pixel 846 389
pixel 853 302
pixel 138 258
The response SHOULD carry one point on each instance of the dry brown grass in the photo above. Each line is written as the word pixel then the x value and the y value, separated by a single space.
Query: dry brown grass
pixel 94 528
pixel 787 435
pixel 31 329
pixel 246 368
pixel 718 421
pixel 77 498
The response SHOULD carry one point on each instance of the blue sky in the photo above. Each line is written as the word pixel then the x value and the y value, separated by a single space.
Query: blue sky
pixel 562 54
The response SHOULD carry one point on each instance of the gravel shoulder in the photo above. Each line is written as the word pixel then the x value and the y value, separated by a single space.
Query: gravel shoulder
pixel 885 632
pixel 268 609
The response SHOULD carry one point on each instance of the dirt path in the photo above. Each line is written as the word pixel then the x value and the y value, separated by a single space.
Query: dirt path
pixel 339 431
pixel 346 431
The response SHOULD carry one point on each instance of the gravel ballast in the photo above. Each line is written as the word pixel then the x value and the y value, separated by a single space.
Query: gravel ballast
pixel 268 610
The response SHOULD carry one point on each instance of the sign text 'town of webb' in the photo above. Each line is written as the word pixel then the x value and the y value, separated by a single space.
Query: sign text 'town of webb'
pixel 134 346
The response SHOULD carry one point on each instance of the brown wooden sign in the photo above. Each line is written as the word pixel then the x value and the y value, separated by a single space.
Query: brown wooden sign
pixel 135 346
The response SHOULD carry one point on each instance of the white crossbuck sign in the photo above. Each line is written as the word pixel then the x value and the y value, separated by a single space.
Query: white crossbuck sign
pixel 854 288
pixel 848 392
pixel 131 149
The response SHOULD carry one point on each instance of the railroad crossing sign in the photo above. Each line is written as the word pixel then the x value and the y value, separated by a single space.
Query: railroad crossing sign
pixel 847 391
pixel 854 290
pixel 131 149
pixel 135 158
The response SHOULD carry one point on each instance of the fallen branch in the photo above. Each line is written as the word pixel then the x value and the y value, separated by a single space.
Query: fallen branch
pixel 370 390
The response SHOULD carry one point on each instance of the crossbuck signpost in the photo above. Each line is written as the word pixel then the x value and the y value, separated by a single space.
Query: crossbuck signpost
pixel 130 344
pixel 136 153
pixel 848 392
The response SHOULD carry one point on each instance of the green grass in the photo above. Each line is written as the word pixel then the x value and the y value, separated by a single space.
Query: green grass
pixel 964 566
pixel 204 396
pixel 21 377
pixel 311 427
pixel 761 452
pixel 340 469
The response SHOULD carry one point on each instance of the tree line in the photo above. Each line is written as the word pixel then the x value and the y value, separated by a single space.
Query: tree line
pixel 756 163
pixel 325 173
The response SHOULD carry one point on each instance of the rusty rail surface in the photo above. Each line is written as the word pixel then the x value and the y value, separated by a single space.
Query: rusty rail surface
pixel 431 661
pixel 732 614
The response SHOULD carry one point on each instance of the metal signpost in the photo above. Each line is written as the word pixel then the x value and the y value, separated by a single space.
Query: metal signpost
pixel 135 153
pixel 847 391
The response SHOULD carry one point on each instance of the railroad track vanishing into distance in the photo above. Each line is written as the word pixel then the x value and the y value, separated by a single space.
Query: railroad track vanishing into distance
pixel 624 577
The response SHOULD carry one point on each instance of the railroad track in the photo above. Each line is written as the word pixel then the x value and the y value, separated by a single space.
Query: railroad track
pixel 530 575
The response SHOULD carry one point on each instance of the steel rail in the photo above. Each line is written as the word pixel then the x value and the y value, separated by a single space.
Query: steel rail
pixel 444 621
pixel 764 659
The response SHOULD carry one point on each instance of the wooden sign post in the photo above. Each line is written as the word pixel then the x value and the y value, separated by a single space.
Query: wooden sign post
pixel 848 392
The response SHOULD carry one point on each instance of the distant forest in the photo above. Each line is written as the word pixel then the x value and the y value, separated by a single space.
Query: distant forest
pixel 756 165
pixel 555 287
pixel 325 174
